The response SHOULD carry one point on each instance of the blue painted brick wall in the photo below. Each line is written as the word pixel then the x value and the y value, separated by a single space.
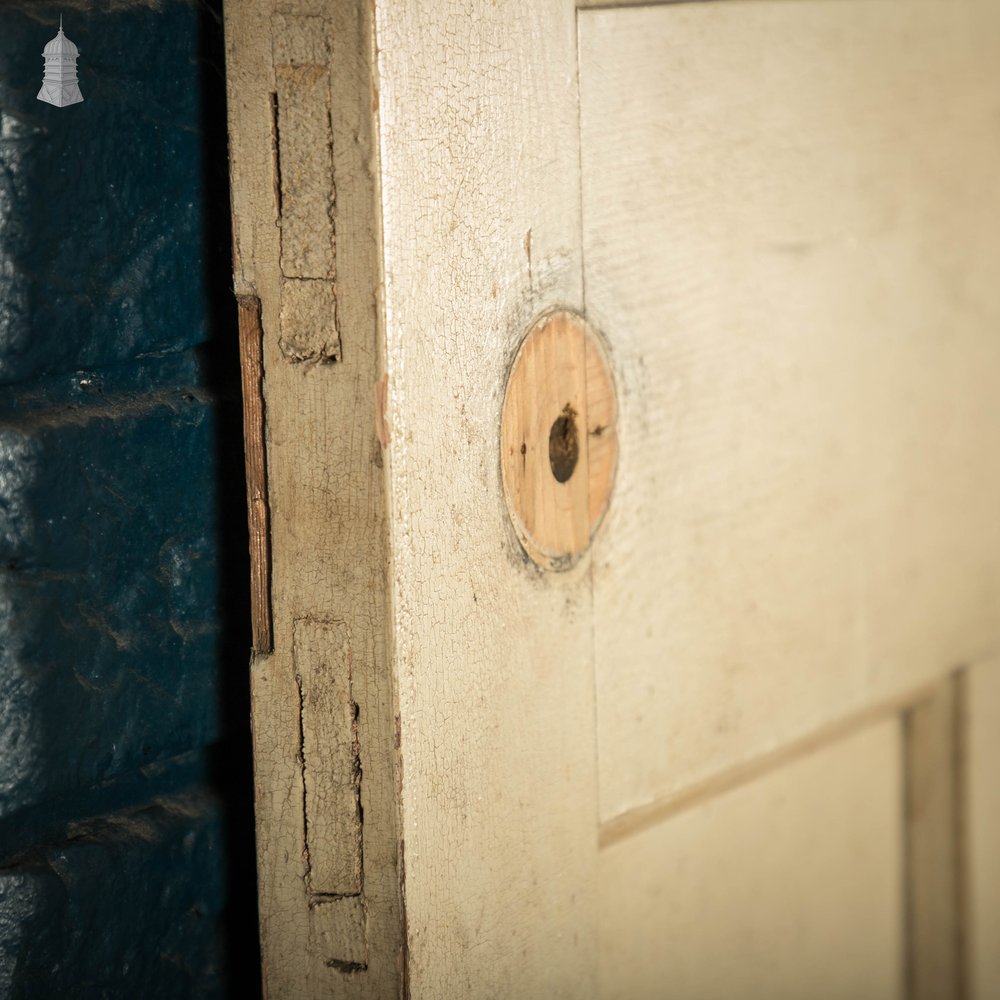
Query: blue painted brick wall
pixel 125 829
pixel 61 908
pixel 108 577
pixel 101 203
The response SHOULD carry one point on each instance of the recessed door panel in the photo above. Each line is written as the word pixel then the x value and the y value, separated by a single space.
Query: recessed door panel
pixel 791 218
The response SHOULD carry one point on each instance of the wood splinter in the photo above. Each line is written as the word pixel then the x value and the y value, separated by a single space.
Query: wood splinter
pixel 251 334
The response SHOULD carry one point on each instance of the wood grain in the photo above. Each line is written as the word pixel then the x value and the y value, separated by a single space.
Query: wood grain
pixel 787 887
pixel 798 292
pixel 558 439
pixel 800 304
pixel 331 757
pixel 301 57
pixel 327 497
pixel 982 829
pixel 935 820
pixel 309 327
pixel 480 235
pixel 636 821
pixel 258 515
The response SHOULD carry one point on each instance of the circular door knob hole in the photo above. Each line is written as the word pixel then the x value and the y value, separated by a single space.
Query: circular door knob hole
pixel 558 440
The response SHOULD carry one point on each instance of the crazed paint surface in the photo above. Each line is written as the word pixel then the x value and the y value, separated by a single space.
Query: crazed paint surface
pixel 113 863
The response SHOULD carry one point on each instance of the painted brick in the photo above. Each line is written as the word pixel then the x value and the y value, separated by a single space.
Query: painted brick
pixel 116 631
pixel 108 581
pixel 102 914
pixel 101 203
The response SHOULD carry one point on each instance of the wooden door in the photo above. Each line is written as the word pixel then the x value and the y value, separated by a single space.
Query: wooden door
pixel 739 742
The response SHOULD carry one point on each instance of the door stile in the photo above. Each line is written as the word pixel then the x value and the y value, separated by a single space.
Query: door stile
pixel 304 218
pixel 480 201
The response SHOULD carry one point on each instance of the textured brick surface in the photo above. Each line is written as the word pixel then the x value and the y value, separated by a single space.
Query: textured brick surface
pixel 100 202
pixel 108 580
pixel 126 844
pixel 101 912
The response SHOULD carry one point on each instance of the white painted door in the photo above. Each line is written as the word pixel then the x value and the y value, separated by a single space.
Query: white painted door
pixel 741 746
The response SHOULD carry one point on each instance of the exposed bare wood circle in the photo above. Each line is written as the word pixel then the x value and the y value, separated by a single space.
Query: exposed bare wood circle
pixel 558 439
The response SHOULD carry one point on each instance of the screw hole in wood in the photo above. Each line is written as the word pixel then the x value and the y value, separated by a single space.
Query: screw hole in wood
pixel 564 445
